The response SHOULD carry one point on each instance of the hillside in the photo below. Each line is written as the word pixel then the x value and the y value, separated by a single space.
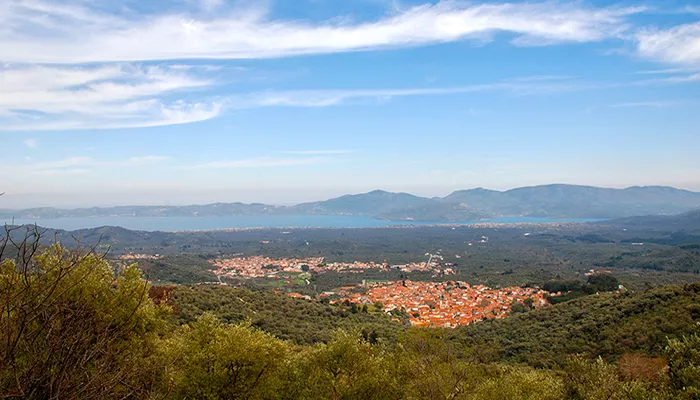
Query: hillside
pixel 606 325
pixel 111 335
pixel 301 321
pixel 689 221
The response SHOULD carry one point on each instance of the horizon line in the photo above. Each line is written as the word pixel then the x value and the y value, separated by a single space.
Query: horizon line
pixel 9 194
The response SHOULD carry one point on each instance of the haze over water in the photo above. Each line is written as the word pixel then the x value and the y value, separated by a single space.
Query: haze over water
pixel 178 224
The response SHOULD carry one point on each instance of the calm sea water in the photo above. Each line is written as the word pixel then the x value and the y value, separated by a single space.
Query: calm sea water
pixel 175 224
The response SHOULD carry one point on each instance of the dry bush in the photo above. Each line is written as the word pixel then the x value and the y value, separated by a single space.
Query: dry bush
pixel 635 366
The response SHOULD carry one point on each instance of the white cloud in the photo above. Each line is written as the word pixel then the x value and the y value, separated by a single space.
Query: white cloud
pixel 70 32
pixel 125 96
pixel 42 41
pixel 678 45
pixel 31 143
pixel 113 96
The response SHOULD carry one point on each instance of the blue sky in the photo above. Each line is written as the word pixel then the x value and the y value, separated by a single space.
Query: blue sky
pixel 281 101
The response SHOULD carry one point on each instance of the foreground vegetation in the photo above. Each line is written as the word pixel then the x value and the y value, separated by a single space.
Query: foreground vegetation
pixel 71 327
pixel 606 325
pixel 299 321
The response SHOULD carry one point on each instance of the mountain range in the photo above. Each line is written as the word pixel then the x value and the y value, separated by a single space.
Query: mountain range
pixel 547 201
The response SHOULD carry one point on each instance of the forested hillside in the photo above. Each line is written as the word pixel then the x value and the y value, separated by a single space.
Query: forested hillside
pixel 74 328
pixel 607 325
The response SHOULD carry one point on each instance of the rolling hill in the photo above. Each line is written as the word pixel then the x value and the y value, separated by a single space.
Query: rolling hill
pixel 606 325
pixel 373 203
pixel 686 222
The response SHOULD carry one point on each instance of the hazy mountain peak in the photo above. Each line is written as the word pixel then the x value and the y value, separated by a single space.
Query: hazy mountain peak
pixel 379 192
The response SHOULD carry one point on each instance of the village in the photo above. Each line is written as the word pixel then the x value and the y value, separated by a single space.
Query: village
pixel 262 266
pixel 439 304
pixel 266 267
pixel 446 304
pixel 138 256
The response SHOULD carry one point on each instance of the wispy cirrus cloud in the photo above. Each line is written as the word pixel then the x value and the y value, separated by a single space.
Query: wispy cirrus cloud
pixel 108 96
pixel 122 96
pixel 140 161
pixel 676 45
pixel 539 85
pixel 68 162
pixel 671 78
pixel 211 5
pixel 72 64
pixel 73 32
pixel 667 71
pixel 319 152
pixel 519 86
pixel 32 143
pixel 82 165
pixel 692 9
pixel 649 104
pixel 260 162
pixel 62 171
pixel 40 39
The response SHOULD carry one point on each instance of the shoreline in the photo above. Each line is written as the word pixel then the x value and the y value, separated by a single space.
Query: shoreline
pixel 479 225
pixel 482 224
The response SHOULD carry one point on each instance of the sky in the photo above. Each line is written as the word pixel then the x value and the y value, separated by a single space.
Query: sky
pixel 283 101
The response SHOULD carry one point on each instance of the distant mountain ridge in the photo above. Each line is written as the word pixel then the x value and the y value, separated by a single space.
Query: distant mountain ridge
pixel 571 201
pixel 547 201
pixel 208 210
